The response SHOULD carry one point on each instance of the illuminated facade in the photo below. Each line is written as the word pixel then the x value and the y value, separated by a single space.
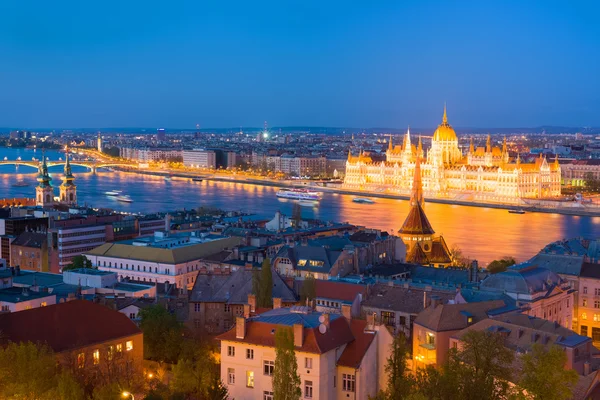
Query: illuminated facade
pixel 483 174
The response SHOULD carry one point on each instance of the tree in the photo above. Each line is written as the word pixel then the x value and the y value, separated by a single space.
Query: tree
pixel 308 291
pixel 78 262
pixel 544 375
pixel 68 388
pixel 27 371
pixel 591 182
pixel 457 256
pixel 107 392
pixel 197 375
pixel 265 285
pixel 286 382
pixel 501 265
pixel 162 334
pixel 399 382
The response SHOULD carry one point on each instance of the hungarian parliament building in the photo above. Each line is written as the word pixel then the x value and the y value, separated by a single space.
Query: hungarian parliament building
pixel 484 174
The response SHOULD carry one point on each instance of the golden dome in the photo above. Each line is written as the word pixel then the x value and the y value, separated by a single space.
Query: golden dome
pixel 444 131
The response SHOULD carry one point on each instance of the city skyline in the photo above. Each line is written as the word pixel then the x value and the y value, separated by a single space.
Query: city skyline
pixel 389 65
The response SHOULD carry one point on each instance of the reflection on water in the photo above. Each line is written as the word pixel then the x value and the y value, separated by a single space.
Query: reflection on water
pixel 482 233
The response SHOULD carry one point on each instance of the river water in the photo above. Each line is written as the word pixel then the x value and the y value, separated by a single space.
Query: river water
pixel 482 233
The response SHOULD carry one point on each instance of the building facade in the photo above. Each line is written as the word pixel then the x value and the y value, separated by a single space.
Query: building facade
pixel 199 158
pixel 484 174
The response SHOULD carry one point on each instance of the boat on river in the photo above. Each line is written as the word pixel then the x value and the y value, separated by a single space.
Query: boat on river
pixel 363 200
pixel 125 199
pixel 517 211
pixel 196 179
pixel 113 193
pixel 299 194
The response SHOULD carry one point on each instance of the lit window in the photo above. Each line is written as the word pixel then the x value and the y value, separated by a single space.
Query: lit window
pixel 307 362
pixel 268 395
pixel 301 263
pixel 110 352
pixel 584 316
pixel 250 354
pixel 250 379
pixel 231 351
pixel 584 303
pixel 308 389
pixel 129 345
pixel 80 360
pixel 119 348
pixel 44 304
pixel 348 382
pixel 231 376
pixel 268 367
pixel 96 355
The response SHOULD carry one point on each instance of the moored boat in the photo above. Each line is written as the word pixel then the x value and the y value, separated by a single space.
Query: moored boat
pixel 363 200
pixel 299 194
pixel 517 211
pixel 125 199
pixel 113 193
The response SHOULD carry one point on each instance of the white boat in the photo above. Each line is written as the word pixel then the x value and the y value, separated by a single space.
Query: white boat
pixel 362 200
pixel 517 211
pixel 125 199
pixel 168 178
pixel 113 193
pixel 299 194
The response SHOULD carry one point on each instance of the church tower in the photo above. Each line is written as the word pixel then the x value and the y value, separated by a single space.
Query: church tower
pixel 99 143
pixel 68 190
pixel 44 193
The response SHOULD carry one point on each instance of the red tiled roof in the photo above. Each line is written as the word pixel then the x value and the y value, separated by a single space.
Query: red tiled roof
pixel 339 290
pixel 416 222
pixel 263 334
pixel 65 326
pixel 355 351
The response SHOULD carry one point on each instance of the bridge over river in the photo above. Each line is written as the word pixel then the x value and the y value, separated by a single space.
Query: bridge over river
pixel 91 165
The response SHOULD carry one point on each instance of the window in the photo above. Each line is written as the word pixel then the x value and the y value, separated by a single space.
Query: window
pixel 335 381
pixel 584 316
pixel 348 382
pixel 596 291
pixel 308 389
pixel 268 367
pixel 80 360
pixel 430 337
pixel 388 318
pixel 301 263
pixel 585 290
pixel 584 303
pixel 231 351
pixel 119 348
pixel 96 355
pixel 196 307
pixel 596 303
pixel 43 304
pixel 584 330
pixel 110 352
pixel 250 379
pixel 131 315
pixel 231 376
pixel 227 308
pixel 268 395
pixel 129 345
pixel 307 362
pixel 250 354
pixel 402 320
pixel 596 317
pixel 596 334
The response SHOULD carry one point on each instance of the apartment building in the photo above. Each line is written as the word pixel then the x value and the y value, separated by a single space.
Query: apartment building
pixel 163 258
pixel 70 241
pixel 338 358
pixel 149 154
pixel 199 158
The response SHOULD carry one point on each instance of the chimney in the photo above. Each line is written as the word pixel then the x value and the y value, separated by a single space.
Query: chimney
pixel 252 302
pixel 370 322
pixel 246 310
pixel 347 311
pixel 276 302
pixel 326 320
pixel 298 335
pixel 240 328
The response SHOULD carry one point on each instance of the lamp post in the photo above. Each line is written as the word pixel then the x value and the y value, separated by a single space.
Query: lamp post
pixel 128 394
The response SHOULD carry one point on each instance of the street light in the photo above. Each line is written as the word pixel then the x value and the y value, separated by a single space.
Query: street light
pixel 128 394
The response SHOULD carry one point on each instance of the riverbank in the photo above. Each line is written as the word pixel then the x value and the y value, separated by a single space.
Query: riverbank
pixel 582 210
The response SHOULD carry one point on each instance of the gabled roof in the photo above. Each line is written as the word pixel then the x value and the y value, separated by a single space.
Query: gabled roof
pixel 310 253
pixel 235 288
pixel 174 255
pixel 343 291
pixel 30 239
pixel 398 298
pixel 66 326
pixel 451 317
pixel 260 330
pixel 355 351
pixel 416 223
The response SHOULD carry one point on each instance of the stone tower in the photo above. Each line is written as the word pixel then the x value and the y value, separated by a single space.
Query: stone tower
pixel 44 193
pixel 68 190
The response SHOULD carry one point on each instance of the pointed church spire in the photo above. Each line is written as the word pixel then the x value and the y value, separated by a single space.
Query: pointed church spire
pixel 518 159
pixel 556 160
pixel 445 117
pixel 504 145
pixel 416 197
pixel 349 154
pixel 419 148
pixel 390 145
pixel 408 144
pixel 488 144
pixel 471 147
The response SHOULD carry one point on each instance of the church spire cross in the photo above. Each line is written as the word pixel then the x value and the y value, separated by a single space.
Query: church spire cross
pixel 445 117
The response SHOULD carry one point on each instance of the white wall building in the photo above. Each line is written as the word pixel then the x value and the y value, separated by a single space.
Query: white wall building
pixel 199 158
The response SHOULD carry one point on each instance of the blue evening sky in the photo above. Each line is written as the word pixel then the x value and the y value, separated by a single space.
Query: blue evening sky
pixel 130 63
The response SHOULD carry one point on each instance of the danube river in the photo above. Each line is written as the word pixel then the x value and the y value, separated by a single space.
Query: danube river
pixel 482 233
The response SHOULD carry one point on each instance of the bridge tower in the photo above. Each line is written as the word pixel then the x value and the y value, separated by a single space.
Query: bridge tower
pixel 44 193
pixel 68 190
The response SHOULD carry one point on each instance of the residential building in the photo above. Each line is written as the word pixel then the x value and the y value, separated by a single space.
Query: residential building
pixel 538 292
pixel 30 252
pixel 199 158
pixel 397 307
pixel 19 299
pixel 332 296
pixel 82 334
pixel 216 300
pixel 576 173
pixel 337 358
pixel 588 310
pixel 521 332
pixel 434 326
pixel 163 258
pixel 316 261
pixel 66 242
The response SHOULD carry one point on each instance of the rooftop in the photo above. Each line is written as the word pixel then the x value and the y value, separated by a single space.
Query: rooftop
pixel 451 317
pixel 19 295
pixel 397 298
